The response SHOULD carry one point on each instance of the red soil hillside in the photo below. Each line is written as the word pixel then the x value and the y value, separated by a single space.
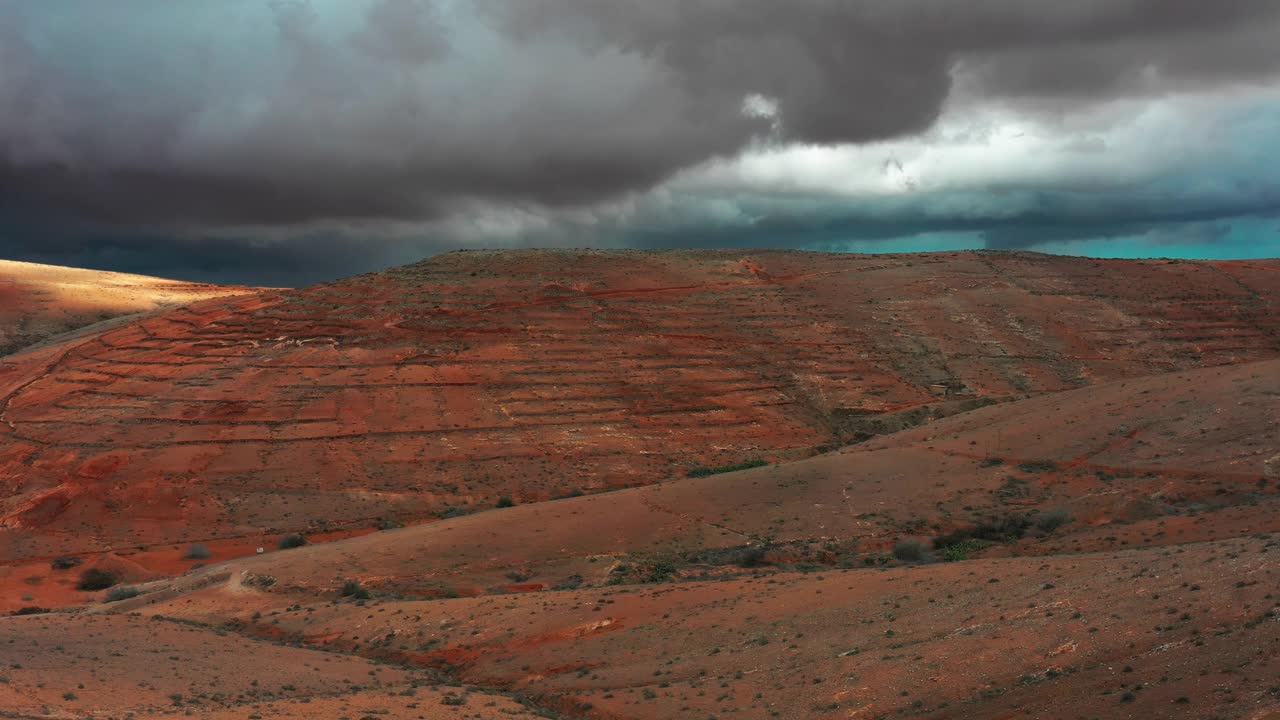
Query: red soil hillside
pixel 110 666
pixel 40 301
pixel 480 374
pixel 1084 526
pixel 1154 597
pixel 1149 633
pixel 1207 470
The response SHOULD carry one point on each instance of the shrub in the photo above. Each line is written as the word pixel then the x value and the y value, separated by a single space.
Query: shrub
pixel 31 610
pixel 353 589
pixel 1038 466
pixel 1052 520
pixel 196 551
pixel 1012 489
pixel 290 541
pixel 753 557
pixel 1005 529
pixel 123 592
pixel 908 550
pixel 65 562
pixel 452 511
pixel 573 582
pixel 95 579
pixel 961 550
pixel 659 570
pixel 701 471
pixel 505 502
pixel 746 556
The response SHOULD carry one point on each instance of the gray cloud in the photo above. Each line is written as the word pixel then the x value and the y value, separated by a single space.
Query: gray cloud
pixel 151 119
pixel 405 107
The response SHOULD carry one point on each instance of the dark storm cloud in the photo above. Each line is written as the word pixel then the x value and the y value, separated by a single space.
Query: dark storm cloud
pixel 852 71
pixel 230 258
pixel 403 109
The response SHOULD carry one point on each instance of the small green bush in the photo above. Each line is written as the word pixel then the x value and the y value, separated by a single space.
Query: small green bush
pixel 290 541
pixel 66 562
pixel 995 530
pixel 123 592
pixel 31 610
pixel 196 551
pixel 659 570
pixel 908 550
pixel 745 556
pixel 961 550
pixel 573 582
pixel 1052 520
pixel 701 471
pixel 505 502
pixel 1038 466
pixel 353 589
pixel 95 579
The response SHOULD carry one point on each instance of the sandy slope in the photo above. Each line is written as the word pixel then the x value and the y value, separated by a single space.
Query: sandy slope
pixel 38 302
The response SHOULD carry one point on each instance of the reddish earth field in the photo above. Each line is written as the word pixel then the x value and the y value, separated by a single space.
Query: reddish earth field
pixel 998 485
pixel 38 302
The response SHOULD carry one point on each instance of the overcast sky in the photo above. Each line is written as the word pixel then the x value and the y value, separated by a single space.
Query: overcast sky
pixel 290 141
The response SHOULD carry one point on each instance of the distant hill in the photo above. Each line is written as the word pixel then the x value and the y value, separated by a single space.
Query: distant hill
pixel 38 302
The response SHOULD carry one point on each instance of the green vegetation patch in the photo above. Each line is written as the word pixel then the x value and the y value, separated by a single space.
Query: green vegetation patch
pixel 701 471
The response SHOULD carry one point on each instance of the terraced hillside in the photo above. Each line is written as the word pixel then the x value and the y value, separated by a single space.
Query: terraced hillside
pixel 531 374
pixel 1123 567
pixel 38 302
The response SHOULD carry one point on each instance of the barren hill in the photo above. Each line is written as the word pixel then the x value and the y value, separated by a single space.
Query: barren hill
pixel 655 485
pixel 784 591
pixel 38 302
pixel 532 374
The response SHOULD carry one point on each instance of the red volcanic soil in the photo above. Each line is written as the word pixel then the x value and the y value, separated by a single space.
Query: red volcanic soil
pixel 1054 494
pixel 476 375
pixel 38 302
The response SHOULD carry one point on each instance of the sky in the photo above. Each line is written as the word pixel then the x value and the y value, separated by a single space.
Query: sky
pixel 285 142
